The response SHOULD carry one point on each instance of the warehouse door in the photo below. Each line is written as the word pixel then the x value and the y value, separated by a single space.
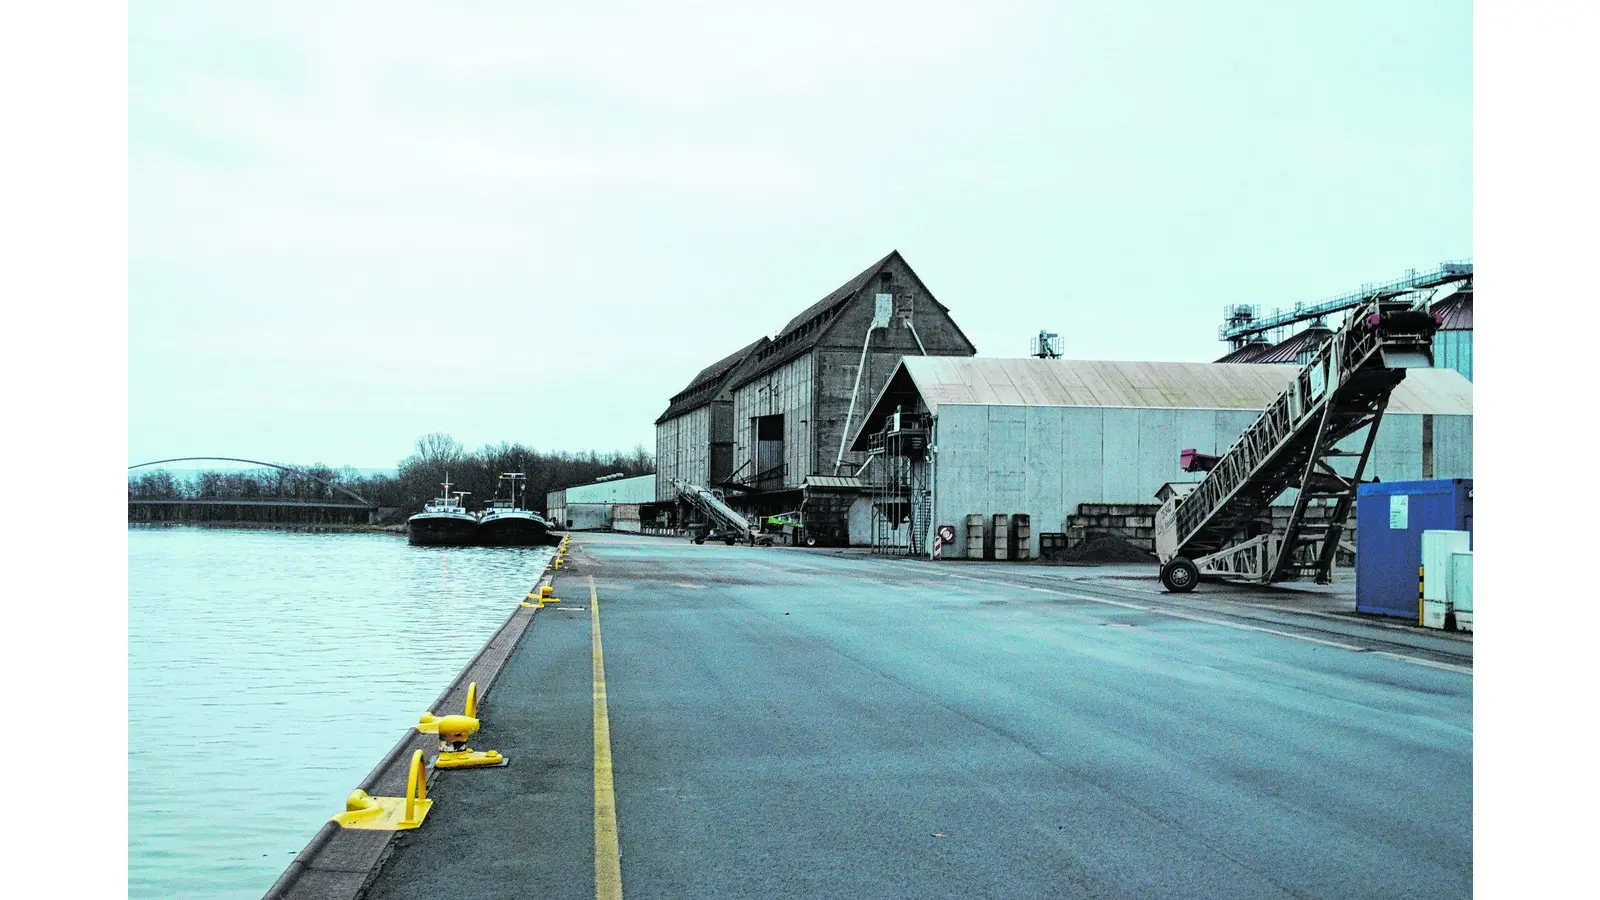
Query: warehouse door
pixel 769 450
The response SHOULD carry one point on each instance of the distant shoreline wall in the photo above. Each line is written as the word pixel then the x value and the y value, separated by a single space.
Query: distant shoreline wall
pixel 325 527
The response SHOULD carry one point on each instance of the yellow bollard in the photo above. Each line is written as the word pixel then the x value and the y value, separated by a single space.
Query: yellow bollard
pixel 367 813
pixel 454 732
pixel 429 723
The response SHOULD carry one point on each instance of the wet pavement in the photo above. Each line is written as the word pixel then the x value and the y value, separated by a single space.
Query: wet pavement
pixel 801 723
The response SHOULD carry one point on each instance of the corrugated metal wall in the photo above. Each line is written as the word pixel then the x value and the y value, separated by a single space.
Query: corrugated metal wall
pixel 785 391
pixel 638 489
pixel 683 446
pixel 1044 461
pixel 1453 350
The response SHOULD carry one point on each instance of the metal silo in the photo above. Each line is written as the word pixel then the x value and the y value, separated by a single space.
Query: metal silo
pixel 1452 343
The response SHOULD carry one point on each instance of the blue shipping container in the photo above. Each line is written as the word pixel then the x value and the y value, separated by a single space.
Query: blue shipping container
pixel 1390 519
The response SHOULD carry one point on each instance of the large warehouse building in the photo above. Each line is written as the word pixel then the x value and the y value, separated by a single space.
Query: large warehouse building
pixel 767 424
pixel 1041 436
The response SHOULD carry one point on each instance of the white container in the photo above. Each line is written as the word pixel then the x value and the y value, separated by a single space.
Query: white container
pixel 1438 546
pixel 1461 588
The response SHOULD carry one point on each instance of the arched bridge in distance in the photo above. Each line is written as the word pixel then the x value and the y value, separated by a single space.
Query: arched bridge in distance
pixel 360 502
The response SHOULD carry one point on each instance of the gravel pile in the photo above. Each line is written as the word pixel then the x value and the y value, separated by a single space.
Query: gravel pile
pixel 1106 550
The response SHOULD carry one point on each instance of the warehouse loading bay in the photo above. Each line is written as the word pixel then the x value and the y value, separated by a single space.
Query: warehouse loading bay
pixel 829 723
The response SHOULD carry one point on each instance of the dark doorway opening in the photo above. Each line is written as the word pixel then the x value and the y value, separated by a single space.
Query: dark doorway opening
pixel 769 450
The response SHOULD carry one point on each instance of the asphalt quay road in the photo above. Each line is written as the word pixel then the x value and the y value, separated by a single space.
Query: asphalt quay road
pixel 790 723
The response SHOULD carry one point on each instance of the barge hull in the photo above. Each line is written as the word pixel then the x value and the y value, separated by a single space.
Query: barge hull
pixel 442 532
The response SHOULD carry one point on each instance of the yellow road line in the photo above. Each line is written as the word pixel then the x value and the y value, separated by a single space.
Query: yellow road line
pixel 607 857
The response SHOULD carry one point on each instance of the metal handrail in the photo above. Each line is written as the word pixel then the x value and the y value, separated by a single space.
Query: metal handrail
pixel 1447 271
pixel 1335 361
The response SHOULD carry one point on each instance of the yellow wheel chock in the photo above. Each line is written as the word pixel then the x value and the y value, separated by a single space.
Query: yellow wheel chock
pixel 367 813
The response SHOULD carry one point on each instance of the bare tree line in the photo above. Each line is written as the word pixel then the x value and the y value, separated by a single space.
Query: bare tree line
pixel 418 479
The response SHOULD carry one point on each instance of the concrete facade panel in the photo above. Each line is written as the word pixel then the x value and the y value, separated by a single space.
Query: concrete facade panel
pixel 1074 455
pixel 1397 452
pixel 961 472
pixel 1452 446
pixel 1158 445
pixel 1083 464
pixel 1044 470
pixel 1119 438
pixel 1009 459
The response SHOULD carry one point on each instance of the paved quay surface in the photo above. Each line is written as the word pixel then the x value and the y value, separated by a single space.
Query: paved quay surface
pixel 801 723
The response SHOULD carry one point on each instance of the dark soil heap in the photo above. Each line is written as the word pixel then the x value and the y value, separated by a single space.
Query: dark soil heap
pixel 1106 550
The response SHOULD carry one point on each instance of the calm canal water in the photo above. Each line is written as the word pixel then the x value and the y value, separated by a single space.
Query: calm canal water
pixel 268 672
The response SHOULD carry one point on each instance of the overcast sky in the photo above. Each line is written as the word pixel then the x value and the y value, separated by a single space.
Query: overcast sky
pixel 354 223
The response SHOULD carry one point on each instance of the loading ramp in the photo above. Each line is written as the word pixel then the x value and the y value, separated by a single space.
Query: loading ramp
pixel 1214 529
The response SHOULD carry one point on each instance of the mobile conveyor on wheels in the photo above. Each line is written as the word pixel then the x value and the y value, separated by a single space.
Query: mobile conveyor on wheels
pixel 1214 529
pixel 728 522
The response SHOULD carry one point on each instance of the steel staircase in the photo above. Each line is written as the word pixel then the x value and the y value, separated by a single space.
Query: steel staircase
pixel 921 512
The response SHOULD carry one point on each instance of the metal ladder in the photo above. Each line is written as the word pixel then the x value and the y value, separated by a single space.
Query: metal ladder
pixel 1343 391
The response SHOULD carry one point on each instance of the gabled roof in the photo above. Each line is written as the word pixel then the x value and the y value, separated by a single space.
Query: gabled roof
pixel 805 330
pixel 708 382
pixel 964 380
pixel 840 294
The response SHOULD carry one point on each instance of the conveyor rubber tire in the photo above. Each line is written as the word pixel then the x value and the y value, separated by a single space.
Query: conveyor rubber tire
pixel 1179 576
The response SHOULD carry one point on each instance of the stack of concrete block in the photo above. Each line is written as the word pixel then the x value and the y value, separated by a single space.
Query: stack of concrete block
pixel 1021 536
pixel 1135 523
pixel 1000 529
pixel 975 532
